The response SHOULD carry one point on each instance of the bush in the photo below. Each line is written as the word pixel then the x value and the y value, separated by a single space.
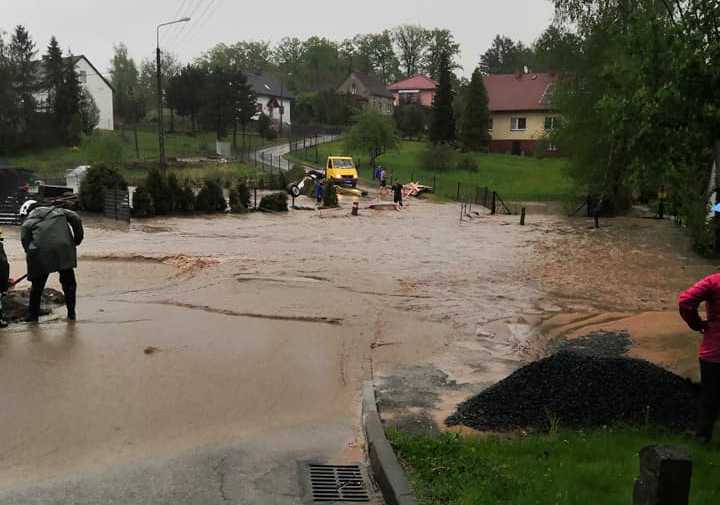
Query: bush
pixel 211 197
pixel 186 197
pixel 157 185
pixel 330 198
pixel 438 157
pixel 243 194
pixel 98 179
pixel 468 163
pixel 142 203
pixel 276 202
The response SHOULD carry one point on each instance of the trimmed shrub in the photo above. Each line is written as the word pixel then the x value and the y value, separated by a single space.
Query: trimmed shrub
pixel 98 179
pixel 330 198
pixel 185 201
pixel 243 194
pixel 438 157
pixel 157 185
pixel 276 202
pixel 467 162
pixel 142 203
pixel 211 197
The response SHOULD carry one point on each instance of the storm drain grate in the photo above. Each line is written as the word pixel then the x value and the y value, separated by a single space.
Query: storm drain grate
pixel 335 483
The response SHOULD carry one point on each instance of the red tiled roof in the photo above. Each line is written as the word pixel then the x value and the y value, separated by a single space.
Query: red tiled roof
pixel 419 82
pixel 519 92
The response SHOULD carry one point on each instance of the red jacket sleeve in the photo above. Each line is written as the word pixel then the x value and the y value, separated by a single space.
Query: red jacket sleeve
pixel 689 301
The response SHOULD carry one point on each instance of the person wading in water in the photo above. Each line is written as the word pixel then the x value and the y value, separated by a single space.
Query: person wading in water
pixel 50 236
pixel 707 290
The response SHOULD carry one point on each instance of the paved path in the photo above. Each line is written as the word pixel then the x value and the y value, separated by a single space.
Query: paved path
pixel 270 155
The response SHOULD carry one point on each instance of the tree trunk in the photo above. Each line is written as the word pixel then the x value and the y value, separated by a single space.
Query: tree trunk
pixel 172 120
pixel 137 144
pixel 235 136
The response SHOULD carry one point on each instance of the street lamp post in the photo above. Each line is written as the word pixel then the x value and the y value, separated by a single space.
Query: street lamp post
pixel 161 126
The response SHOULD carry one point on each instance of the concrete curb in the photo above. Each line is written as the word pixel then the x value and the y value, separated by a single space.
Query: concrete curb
pixel 385 466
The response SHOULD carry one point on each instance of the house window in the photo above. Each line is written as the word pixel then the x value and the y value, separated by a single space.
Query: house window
pixel 353 89
pixel 259 107
pixel 518 124
pixel 552 148
pixel 82 76
pixel 491 124
pixel 552 123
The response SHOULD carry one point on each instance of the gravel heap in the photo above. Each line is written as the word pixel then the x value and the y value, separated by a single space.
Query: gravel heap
pixel 582 391
pixel 607 344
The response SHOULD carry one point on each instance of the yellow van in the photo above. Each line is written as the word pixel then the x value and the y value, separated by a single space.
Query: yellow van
pixel 342 170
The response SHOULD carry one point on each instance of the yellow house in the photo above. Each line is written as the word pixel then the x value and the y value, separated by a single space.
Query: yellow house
pixel 521 112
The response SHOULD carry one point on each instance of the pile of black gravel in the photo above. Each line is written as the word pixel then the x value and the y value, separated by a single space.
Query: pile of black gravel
pixel 15 303
pixel 582 391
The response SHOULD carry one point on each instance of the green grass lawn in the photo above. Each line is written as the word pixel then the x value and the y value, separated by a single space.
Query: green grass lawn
pixel 568 468
pixel 53 162
pixel 513 177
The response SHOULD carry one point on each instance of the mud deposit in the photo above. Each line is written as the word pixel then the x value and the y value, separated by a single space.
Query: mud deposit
pixel 574 390
pixel 15 303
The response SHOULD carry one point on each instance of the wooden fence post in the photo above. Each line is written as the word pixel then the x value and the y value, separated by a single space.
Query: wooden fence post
pixel 493 207
pixel 522 217
pixel 665 474
pixel 458 192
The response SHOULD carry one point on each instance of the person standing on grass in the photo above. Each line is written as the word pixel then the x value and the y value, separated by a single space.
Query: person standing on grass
pixel 50 236
pixel 708 291
pixel 381 176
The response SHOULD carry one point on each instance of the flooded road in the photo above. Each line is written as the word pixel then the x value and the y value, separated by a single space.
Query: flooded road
pixel 262 329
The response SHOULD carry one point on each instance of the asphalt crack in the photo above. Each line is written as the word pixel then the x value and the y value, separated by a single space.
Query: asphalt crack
pixel 220 471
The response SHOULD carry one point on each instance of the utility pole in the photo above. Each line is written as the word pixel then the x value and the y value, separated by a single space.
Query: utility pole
pixel 161 126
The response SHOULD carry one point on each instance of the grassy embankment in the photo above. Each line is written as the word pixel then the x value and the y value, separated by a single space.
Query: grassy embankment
pixel 52 163
pixel 513 177
pixel 568 468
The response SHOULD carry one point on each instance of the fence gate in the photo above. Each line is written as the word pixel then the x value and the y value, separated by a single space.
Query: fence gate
pixel 117 205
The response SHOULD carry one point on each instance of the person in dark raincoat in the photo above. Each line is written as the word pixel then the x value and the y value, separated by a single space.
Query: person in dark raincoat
pixel 4 280
pixel 50 236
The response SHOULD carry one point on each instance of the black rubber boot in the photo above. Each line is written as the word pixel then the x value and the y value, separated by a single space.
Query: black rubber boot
pixel 69 285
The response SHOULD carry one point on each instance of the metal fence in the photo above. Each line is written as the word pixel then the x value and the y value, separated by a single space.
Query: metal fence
pixel 10 208
pixel 117 205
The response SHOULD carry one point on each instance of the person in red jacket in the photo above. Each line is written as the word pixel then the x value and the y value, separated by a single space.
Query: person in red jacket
pixel 708 291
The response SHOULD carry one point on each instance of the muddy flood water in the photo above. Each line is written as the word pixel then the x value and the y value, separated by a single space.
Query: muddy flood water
pixel 263 329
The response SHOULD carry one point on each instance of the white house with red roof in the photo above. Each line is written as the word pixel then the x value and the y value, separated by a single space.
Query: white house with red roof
pixel 521 112
pixel 418 89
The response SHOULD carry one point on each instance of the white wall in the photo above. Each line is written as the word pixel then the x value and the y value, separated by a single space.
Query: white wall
pixel 275 113
pixel 100 91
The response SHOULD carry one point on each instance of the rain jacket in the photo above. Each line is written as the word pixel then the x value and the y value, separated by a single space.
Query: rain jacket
pixel 707 290
pixel 47 240
pixel 4 270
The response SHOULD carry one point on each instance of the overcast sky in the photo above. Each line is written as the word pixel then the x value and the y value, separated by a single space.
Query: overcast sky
pixel 92 27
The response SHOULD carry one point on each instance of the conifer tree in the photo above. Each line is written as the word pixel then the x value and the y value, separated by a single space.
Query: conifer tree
pixel 474 131
pixel 442 126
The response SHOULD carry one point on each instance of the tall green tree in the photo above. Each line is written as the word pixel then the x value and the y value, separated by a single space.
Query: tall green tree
pixel 68 101
pixel 412 41
pixel 186 92
pixel 474 131
pixel 245 107
pixel 24 71
pixel 372 133
pixel 442 124
pixel 124 77
pixel 54 76
pixel 441 41
pixel 506 56
pixel 10 115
